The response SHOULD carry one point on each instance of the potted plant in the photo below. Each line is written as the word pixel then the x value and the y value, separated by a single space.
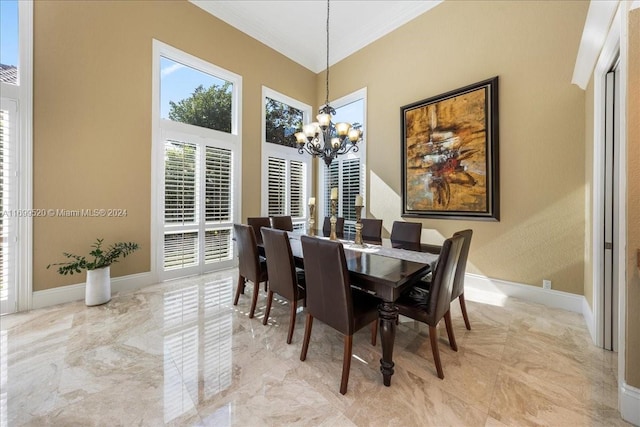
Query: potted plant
pixel 98 286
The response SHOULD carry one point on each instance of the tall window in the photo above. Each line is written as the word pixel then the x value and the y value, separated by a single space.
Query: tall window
pixel 16 41
pixel 346 172
pixel 286 182
pixel 198 140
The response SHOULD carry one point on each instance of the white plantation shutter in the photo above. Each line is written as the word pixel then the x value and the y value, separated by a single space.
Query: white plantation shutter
pixel 350 188
pixel 296 186
pixel 277 186
pixel 197 229
pixel 346 175
pixel 180 205
pixel 180 189
pixel 8 204
pixel 331 180
pixel 286 189
pixel 218 185
pixel 218 205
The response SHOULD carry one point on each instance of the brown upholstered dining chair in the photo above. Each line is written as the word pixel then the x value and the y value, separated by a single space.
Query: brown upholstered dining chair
pixel 326 226
pixel 251 266
pixel 282 222
pixel 257 223
pixel 431 306
pixel 458 281
pixel 461 268
pixel 284 279
pixel 330 298
pixel 407 232
pixel 371 229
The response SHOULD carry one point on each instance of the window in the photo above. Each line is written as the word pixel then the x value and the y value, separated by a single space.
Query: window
pixel 16 43
pixel 197 161
pixel 346 172
pixel 8 205
pixel 285 172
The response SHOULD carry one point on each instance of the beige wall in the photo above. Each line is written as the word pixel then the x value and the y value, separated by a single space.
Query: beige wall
pixel 532 47
pixel 632 372
pixel 92 116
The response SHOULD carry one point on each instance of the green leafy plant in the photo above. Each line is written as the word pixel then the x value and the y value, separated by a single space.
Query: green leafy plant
pixel 98 257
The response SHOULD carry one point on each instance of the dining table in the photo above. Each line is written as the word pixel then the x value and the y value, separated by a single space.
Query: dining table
pixel 384 269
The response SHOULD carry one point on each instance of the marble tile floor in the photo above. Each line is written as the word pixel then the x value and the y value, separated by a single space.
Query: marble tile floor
pixel 180 354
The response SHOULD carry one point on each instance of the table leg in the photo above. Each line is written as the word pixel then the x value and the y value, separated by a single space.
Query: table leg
pixel 388 313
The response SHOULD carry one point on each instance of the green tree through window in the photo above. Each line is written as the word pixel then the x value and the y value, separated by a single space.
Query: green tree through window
pixel 208 108
pixel 281 123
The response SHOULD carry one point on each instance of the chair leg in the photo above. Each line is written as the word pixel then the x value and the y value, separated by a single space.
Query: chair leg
pixel 307 335
pixel 374 332
pixel 449 325
pixel 463 307
pixel 346 362
pixel 292 320
pixel 254 300
pixel 239 289
pixel 433 335
pixel 268 309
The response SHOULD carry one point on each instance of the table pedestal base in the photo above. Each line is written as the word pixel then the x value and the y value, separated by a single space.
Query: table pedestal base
pixel 388 316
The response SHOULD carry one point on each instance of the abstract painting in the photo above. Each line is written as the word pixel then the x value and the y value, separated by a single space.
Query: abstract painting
pixel 450 154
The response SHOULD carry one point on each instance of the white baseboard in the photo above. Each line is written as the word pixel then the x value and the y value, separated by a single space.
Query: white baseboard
pixel 630 404
pixel 485 289
pixel 70 293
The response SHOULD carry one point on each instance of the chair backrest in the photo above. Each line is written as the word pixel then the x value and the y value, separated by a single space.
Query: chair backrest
pixel 257 223
pixel 282 222
pixel 326 226
pixel 442 281
pixel 371 229
pixel 249 263
pixel 327 283
pixel 458 281
pixel 406 231
pixel 282 271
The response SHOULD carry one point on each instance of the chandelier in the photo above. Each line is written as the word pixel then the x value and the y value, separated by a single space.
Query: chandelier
pixel 323 138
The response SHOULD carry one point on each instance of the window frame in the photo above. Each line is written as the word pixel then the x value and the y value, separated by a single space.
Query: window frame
pixel 22 94
pixel 360 94
pixel 286 153
pixel 163 129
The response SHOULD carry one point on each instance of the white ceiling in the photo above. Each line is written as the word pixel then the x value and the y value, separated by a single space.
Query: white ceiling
pixel 297 28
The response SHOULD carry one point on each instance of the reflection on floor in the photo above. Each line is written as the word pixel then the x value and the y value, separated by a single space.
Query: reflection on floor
pixel 179 353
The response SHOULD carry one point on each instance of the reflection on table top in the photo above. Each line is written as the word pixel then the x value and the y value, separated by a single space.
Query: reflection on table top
pixel 384 270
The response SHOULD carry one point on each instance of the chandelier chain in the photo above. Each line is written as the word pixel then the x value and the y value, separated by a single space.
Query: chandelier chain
pixel 326 102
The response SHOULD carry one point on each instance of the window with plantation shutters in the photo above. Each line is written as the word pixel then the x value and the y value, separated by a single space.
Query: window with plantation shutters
pixel 346 172
pixel 8 204
pixel 200 185
pixel 286 184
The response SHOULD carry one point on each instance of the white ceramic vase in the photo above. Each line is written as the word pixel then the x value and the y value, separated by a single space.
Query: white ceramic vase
pixel 98 286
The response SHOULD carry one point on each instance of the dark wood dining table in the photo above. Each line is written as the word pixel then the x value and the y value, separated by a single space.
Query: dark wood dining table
pixel 383 276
